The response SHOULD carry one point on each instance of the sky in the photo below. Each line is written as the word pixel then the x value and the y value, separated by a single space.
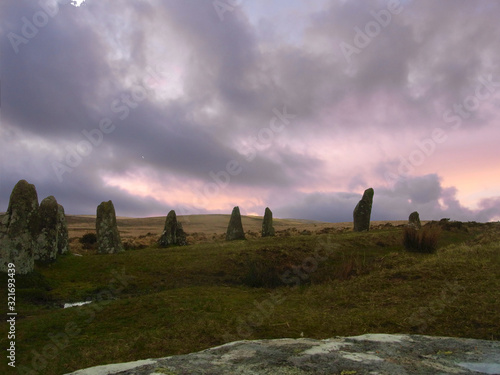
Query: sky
pixel 203 105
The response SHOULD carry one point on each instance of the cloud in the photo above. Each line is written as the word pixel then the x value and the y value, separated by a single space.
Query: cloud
pixel 424 194
pixel 186 93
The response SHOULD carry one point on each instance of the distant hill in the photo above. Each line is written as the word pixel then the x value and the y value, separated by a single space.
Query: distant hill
pixel 208 224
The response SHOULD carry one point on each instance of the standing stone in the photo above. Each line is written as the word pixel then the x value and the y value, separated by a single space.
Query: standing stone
pixel 53 237
pixel 267 224
pixel 47 241
pixel 235 228
pixel 362 212
pixel 108 237
pixel 62 231
pixel 173 234
pixel 414 220
pixel 19 229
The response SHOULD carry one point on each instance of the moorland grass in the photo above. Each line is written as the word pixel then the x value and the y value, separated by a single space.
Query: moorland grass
pixel 183 299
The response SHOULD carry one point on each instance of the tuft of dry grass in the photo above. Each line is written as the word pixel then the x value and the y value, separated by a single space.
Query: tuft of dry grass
pixel 424 240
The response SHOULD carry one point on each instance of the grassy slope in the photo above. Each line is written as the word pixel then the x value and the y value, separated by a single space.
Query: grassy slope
pixel 181 300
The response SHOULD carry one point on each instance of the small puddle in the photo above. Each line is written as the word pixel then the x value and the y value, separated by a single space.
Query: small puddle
pixel 482 367
pixel 66 305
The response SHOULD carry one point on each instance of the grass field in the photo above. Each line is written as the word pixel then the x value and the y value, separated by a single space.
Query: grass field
pixel 155 302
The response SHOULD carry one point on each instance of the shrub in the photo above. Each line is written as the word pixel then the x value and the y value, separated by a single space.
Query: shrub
pixel 262 274
pixel 424 240
pixel 88 240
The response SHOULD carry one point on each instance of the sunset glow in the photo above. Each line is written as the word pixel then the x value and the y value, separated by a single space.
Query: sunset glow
pixel 167 105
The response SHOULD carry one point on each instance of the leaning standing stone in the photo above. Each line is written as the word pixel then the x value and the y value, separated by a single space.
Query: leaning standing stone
pixel 267 224
pixel 108 237
pixel 362 212
pixel 235 227
pixel 19 229
pixel 414 220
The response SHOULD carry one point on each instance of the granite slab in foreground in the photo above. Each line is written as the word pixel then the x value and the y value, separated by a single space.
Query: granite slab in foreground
pixel 358 355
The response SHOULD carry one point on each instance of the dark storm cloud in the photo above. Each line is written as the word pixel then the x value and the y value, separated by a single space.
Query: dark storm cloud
pixel 391 204
pixel 48 85
pixel 87 64
pixel 61 82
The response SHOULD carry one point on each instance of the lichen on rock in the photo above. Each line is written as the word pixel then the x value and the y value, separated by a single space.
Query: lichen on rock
pixel 365 354
pixel 19 229
pixel 173 233
pixel 108 237
pixel 414 220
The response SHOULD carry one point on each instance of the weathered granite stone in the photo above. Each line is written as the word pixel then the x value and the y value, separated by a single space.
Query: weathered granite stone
pixel 173 233
pixel 53 237
pixel 361 355
pixel 47 241
pixel 267 224
pixel 19 229
pixel 235 227
pixel 108 237
pixel 62 231
pixel 362 212
pixel 414 220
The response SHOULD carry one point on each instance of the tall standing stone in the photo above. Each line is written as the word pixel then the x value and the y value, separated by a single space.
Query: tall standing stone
pixel 48 237
pixel 362 212
pixel 173 234
pixel 53 237
pixel 19 229
pixel 235 227
pixel 267 224
pixel 62 231
pixel 414 220
pixel 108 237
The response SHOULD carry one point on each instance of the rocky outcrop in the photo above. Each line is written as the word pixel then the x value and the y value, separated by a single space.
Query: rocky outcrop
pixel 363 211
pixel 108 237
pixel 235 227
pixel 267 224
pixel 414 220
pixel 19 229
pixel 173 233
pixel 366 354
